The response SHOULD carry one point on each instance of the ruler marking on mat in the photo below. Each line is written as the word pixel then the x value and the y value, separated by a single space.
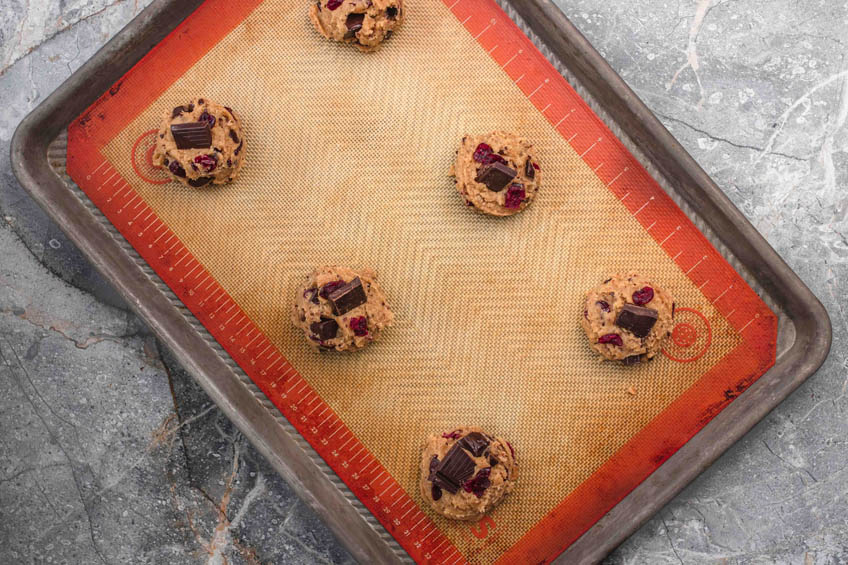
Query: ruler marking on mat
pixel 137 215
pixel 302 386
pixel 438 547
pixel 117 180
pixel 722 294
pixel 651 226
pixel 127 203
pixel 263 350
pixel 643 206
pixel 324 421
pixel 466 20
pixel 596 169
pixel 692 268
pixel 377 477
pixel 418 522
pixel 160 236
pixel 519 79
pixel 411 508
pixel 454 4
pixel 374 460
pixel 257 336
pixel 106 181
pixel 703 284
pixel 618 176
pixel 535 90
pixel 385 490
pixel 570 139
pixel 546 108
pixel 729 314
pixel 88 176
pixel 334 433
pixel 433 531
pixel 512 58
pixel 400 498
pixel 492 50
pixel 562 119
pixel 308 392
pixel 591 147
pixel 350 439
pixel 677 229
pixel 190 272
pixel 485 29
pixel 679 253
pixel 151 224
pixel 751 321
pixel 357 452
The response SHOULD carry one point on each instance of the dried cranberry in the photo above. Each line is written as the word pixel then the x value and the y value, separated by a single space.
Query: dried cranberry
pixel 586 314
pixel 511 450
pixel 359 325
pixel 642 297
pixel 673 306
pixel 537 167
pixel 330 287
pixel 436 492
pixel 614 339
pixel 207 117
pixel 208 162
pixel 229 162
pixel 176 169
pixel 479 483
pixel 514 196
pixel 311 294
pixel 333 4
pixel 452 435
pixel 604 305
pixel 482 152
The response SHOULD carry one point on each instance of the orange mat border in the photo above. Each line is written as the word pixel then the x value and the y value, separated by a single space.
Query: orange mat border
pixel 316 421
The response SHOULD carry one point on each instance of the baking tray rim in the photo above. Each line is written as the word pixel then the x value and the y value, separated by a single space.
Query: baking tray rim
pixel 218 375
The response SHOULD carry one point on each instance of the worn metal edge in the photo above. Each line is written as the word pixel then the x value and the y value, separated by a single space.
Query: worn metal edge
pixel 818 340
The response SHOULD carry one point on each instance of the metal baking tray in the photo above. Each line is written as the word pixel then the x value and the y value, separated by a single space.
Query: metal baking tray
pixel 804 336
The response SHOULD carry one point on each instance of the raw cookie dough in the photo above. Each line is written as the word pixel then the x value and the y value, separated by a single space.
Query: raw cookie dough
pixel 631 301
pixel 496 173
pixel 481 469
pixel 219 163
pixel 363 22
pixel 342 309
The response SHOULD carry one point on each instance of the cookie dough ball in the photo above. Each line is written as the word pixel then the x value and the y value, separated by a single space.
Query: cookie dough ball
pixel 627 318
pixel 496 173
pixel 363 22
pixel 342 309
pixel 200 143
pixel 465 473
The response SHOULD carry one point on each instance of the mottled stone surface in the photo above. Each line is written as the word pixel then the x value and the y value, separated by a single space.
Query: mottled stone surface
pixel 109 453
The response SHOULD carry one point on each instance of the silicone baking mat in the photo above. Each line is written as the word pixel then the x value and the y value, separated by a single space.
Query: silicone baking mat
pixel 346 163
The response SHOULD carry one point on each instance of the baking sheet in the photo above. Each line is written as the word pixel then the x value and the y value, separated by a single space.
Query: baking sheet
pixel 244 245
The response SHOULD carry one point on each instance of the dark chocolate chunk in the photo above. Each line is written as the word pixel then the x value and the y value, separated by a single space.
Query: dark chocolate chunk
pixel 632 360
pixel 496 176
pixel 476 443
pixel 436 492
pixel 454 470
pixel 493 461
pixel 529 171
pixel 638 320
pixel 354 22
pixel 388 34
pixel 240 145
pixel 192 135
pixel 434 462
pixel 347 297
pixel 198 182
pixel 325 329
pixel 391 12
pixel 180 109
pixel 234 136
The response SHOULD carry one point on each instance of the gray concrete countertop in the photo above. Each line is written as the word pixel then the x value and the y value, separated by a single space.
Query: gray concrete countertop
pixel 109 453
